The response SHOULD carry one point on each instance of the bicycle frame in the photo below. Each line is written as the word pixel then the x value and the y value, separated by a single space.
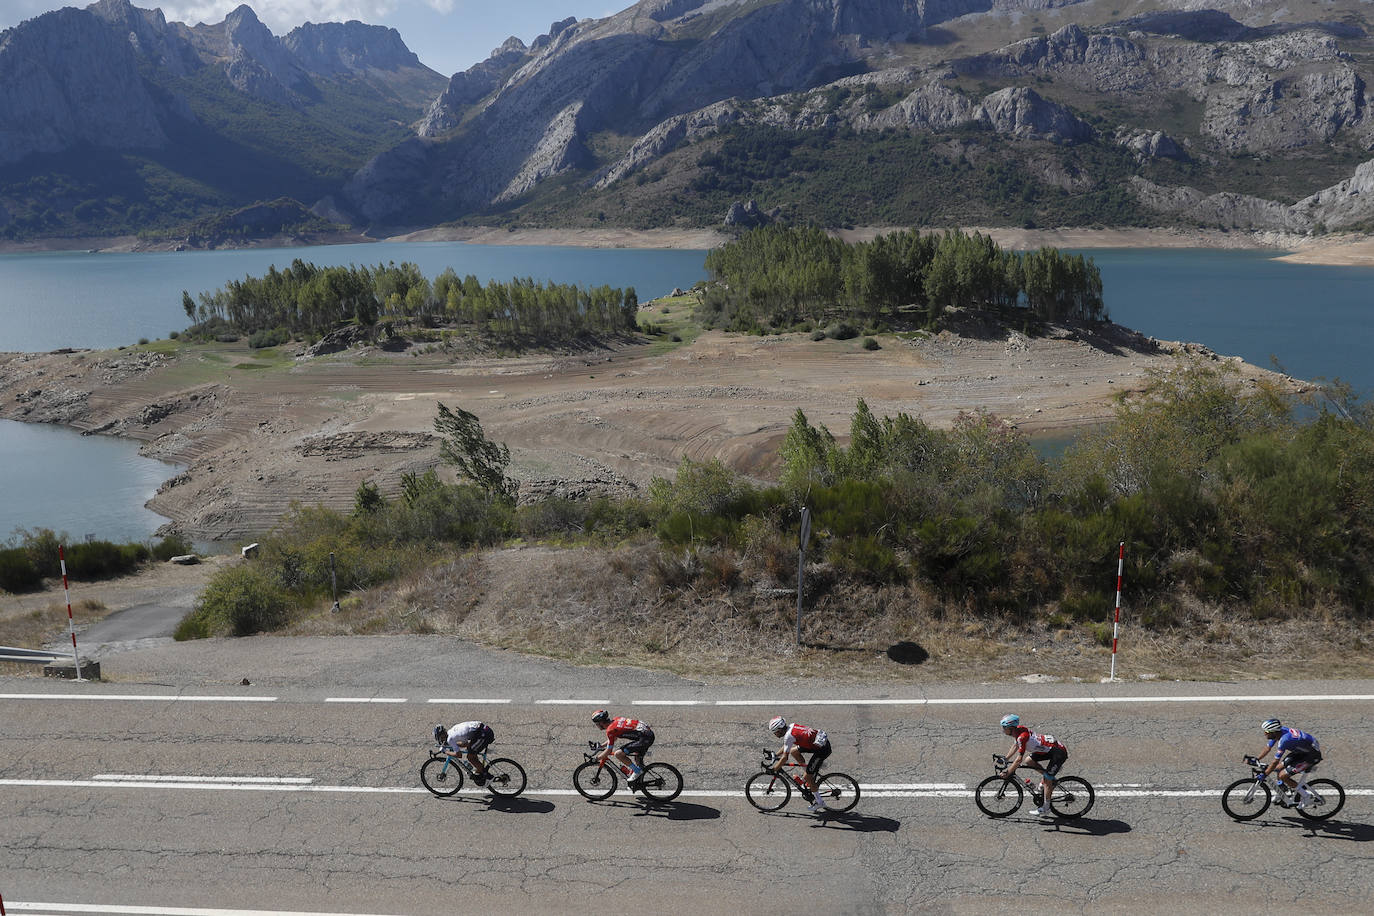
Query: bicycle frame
pixel 597 748
pixel 770 759
pixel 1278 785
pixel 1000 768
pixel 456 758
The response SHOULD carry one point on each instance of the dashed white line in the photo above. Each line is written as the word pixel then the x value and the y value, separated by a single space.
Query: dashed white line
pixel 114 910
pixel 163 698
pixel 364 699
pixel 466 700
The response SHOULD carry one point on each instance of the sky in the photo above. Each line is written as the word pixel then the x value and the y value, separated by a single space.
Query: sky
pixel 447 35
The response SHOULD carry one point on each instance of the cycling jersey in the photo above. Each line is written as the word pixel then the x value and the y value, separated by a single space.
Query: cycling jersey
pixel 807 739
pixel 639 736
pixel 1294 741
pixel 470 736
pixel 1029 741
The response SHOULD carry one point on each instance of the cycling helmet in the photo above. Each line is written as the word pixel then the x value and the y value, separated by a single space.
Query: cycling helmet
pixel 1011 721
pixel 777 724
pixel 1272 725
pixel 601 717
pixel 440 734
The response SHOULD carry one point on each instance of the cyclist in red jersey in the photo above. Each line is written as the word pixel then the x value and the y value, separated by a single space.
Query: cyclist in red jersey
pixel 798 741
pixel 1040 752
pixel 638 738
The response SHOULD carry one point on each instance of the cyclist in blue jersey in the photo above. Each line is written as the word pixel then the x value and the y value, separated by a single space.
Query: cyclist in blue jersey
pixel 1295 752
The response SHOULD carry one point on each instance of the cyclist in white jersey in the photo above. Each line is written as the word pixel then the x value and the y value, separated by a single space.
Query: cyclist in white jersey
pixel 470 738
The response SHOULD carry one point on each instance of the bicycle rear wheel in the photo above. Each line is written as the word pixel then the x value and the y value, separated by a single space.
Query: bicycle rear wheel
pixel 442 777
pixel 593 781
pixel 839 791
pixel 1246 799
pixel 1071 797
pixel 766 791
pixel 505 777
pixel 1327 798
pixel 998 796
pixel 661 782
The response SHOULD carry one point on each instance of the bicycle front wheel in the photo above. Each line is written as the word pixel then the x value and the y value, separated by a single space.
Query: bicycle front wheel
pixel 662 782
pixel 1071 797
pixel 1327 798
pixel 593 781
pixel 441 776
pixel 767 791
pixel 839 791
pixel 998 796
pixel 1246 799
pixel 505 777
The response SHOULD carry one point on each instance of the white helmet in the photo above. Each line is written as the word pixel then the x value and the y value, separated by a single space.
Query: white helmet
pixel 777 724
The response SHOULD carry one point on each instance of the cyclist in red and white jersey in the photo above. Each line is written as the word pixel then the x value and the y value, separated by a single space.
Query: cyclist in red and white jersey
pixel 797 742
pixel 638 738
pixel 1040 752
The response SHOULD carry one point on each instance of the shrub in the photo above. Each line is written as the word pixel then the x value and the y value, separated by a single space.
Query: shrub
pixel 103 559
pixel 818 334
pixel 870 344
pixel 265 338
pixel 554 515
pixel 241 600
pixel 842 330
pixel 173 545
pixel 17 571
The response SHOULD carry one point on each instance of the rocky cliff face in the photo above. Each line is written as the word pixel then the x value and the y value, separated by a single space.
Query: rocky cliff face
pixel 76 77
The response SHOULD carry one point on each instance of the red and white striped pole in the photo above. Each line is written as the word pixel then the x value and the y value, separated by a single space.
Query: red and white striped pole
pixel 1116 618
pixel 71 623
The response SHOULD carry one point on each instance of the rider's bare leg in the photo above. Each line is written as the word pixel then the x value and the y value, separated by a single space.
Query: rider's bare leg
pixel 476 764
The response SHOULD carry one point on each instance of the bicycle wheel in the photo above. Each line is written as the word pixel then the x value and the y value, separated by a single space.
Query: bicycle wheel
pixel 1071 797
pixel 998 796
pixel 1246 799
pixel 1327 798
pixel 662 782
pixel 505 777
pixel 766 791
pixel 593 781
pixel 839 791
pixel 441 777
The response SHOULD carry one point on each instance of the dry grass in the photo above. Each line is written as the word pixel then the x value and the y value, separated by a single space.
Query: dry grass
pixel 33 628
pixel 701 615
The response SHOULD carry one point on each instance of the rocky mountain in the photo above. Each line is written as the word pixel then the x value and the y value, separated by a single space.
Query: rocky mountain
pixel 134 116
pixel 1083 114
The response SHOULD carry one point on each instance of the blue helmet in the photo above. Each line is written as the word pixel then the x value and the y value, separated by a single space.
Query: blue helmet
pixel 1011 721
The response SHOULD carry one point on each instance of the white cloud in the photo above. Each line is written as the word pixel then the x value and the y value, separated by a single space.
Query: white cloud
pixel 279 15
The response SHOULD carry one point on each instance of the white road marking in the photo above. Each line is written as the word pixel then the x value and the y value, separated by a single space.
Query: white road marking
pixel 1036 701
pixel 165 698
pixel 297 780
pixel 364 699
pixel 47 909
pixel 571 702
pixel 466 701
pixel 665 702
pixel 873 790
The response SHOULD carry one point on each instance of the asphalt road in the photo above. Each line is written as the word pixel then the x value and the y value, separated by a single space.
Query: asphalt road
pixel 345 826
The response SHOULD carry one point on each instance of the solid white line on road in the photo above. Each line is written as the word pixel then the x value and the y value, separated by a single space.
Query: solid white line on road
pixel 875 790
pixel 49 908
pixel 133 696
pixel 572 702
pixel 364 699
pixel 294 780
pixel 665 702
pixel 465 701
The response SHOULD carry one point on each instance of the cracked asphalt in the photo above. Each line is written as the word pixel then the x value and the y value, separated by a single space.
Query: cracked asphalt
pixel 407 852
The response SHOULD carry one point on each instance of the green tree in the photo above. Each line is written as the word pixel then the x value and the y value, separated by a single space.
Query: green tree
pixel 466 447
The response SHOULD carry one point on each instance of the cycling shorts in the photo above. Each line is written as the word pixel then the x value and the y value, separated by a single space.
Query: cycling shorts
pixel 1051 761
pixel 818 755
pixel 640 742
pixel 481 741
pixel 1302 761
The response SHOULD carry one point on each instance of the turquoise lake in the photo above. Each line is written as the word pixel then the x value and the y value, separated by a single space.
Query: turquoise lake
pixel 1315 321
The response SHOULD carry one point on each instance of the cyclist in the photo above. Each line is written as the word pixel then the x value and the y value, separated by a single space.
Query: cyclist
pixel 1295 751
pixel 638 739
pixel 1039 752
pixel 798 741
pixel 471 738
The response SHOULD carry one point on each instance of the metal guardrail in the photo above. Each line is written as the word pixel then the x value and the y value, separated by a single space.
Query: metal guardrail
pixel 32 656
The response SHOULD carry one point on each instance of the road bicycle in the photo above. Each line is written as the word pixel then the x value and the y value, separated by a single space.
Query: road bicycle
pixel 768 790
pixel 597 781
pixel 1000 795
pixel 443 772
pixel 1248 798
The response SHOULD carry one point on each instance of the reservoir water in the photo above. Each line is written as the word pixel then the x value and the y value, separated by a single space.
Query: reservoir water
pixel 1314 320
